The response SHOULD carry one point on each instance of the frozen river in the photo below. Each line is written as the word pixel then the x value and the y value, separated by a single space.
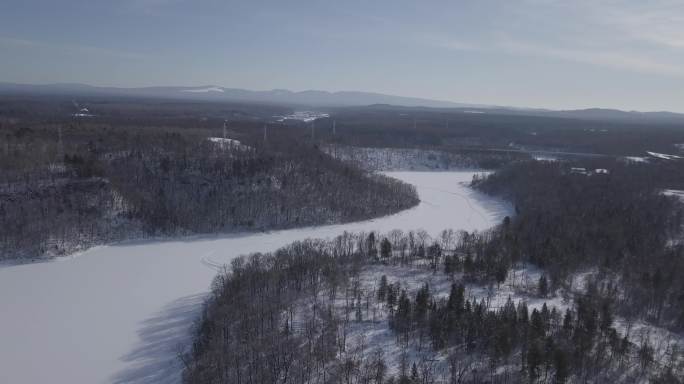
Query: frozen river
pixel 120 314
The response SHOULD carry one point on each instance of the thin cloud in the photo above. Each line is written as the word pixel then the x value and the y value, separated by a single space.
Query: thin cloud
pixel 73 48
pixel 643 37
pixel 150 6
pixel 656 22
pixel 662 25
pixel 608 59
pixel 447 43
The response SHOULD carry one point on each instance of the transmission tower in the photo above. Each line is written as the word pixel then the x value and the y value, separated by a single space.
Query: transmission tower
pixel 225 128
pixel 60 146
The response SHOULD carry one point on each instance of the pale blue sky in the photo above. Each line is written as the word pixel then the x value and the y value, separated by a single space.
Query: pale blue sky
pixel 534 53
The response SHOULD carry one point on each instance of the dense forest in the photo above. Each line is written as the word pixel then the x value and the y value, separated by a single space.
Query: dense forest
pixel 420 159
pixel 482 133
pixel 619 223
pixel 355 310
pixel 70 183
pixel 599 241
pixel 596 241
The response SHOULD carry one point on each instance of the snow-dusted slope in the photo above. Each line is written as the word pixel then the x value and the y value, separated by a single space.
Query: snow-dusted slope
pixel 399 159
pixel 204 90
pixel 663 156
pixel 119 314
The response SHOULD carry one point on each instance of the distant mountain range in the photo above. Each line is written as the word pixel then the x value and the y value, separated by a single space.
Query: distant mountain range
pixel 214 93
pixel 322 99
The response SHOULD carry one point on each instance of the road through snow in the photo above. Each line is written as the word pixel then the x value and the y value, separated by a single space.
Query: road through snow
pixel 121 313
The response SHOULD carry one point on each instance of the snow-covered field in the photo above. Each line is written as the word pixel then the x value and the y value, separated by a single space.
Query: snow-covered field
pixel 636 159
pixel 305 116
pixel 374 332
pixel 663 156
pixel 120 314
pixel 204 90
pixel 521 285
pixel 229 143
pixel 675 193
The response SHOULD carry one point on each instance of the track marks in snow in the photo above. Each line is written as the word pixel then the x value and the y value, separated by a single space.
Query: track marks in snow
pixel 465 198
pixel 209 263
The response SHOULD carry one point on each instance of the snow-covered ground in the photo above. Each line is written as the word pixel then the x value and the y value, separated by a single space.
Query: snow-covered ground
pixel 663 156
pixel 675 193
pixel 305 116
pixel 221 140
pixel 545 158
pixel 204 90
pixel 120 314
pixel 229 143
pixel 636 159
pixel 521 285
pixel 374 332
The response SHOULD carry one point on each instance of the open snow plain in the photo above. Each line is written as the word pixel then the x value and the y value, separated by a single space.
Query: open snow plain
pixel 121 313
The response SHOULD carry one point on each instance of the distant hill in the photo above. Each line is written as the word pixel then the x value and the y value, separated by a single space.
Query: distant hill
pixel 215 93
pixel 314 98
pixel 595 114
pixel 614 114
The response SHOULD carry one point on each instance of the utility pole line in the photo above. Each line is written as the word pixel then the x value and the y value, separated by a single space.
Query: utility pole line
pixel 60 145
pixel 223 142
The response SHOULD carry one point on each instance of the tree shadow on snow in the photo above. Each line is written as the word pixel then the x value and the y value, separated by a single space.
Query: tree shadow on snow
pixel 155 360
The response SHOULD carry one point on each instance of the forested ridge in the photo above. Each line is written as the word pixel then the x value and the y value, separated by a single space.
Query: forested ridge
pixel 68 185
pixel 473 134
pixel 325 312
pixel 606 245
pixel 420 159
pixel 619 224
pixel 601 240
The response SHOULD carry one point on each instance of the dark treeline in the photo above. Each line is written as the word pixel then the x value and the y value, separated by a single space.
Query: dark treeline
pixel 290 317
pixel 67 184
pixel 438 159
pixel 460 131
pixel 619 224
pixel 119 110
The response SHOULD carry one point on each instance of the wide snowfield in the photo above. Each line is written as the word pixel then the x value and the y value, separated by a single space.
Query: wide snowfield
pixel 120 314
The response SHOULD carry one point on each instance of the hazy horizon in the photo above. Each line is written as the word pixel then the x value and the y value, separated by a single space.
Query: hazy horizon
pixel 550 54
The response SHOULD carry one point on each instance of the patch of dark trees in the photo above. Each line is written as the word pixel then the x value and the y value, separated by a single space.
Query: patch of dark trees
pixel 402 159
pixel 107 180
pixel 286 317
pixel 461 131
pixel 619 224
pixel 514 344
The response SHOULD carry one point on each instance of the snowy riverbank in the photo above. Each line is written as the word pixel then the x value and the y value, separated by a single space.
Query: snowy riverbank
pixel 118 314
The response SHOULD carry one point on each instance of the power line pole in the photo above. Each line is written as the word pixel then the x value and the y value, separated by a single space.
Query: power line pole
pixel 334 133
pixel 265 132
pixel 223 142
pixel 60 145
pixel 414 123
